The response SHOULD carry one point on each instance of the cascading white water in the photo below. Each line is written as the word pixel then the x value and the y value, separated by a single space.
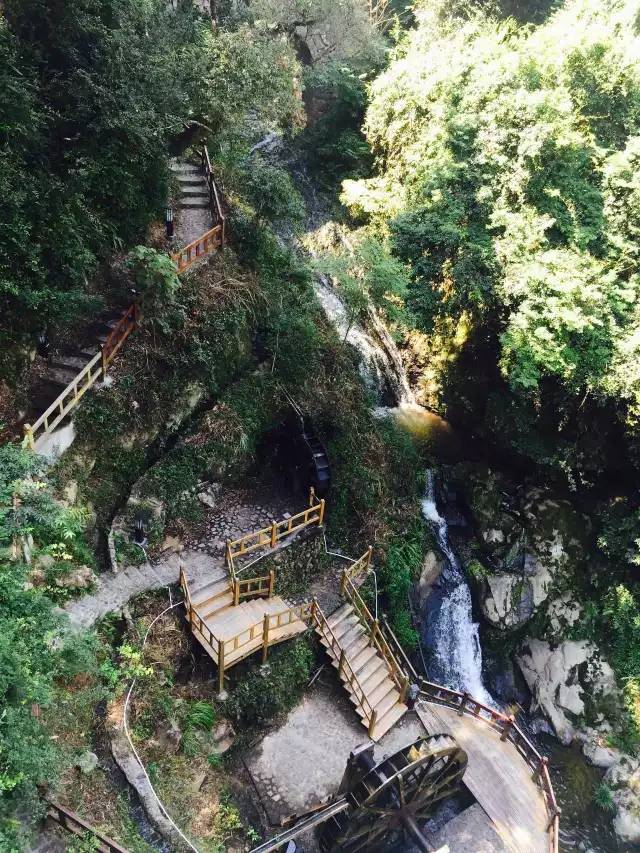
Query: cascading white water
pixel 454 635
pixel 380 363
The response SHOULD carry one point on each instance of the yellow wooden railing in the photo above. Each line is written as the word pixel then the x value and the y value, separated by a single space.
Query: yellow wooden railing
pixel 85 380
pixel 268 537
pixel 209 241
pixel 377 637
pixel 361 566
pixel 345 670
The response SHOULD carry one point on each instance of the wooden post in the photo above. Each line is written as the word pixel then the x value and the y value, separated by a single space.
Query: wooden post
pixel 314 609
pixel 272 583
pixel 220 667
pixel 321 519
pixel 341 664
pixel 506 727
pixel 405 688
pixel 274 534
pixel 375 628
pixel 537 773
pixel 29 440
pixel 372 722
pixel 343 582
pixel 555 815
pixel 236 592
pixel 312 496
pixel 265 638
pixel 105 363
pixel 463 704
pixel 369 555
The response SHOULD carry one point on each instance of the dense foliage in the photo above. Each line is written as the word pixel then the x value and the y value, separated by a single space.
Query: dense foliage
pixel 507 178
pixel 92 94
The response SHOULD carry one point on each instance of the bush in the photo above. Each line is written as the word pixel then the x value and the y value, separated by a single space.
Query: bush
pixel 262 695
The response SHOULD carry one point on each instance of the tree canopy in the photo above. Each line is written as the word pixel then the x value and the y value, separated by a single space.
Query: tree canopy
pixel 507 178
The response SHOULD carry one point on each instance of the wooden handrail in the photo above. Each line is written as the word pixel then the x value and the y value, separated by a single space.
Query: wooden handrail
pixel 204 244
pixel 73 823
pixel 268 537
pixel 463 703
pixel 378 639
pixel 85 380
pixel 119 334
pixel 214 198
pixel 361 566
pixel 399 650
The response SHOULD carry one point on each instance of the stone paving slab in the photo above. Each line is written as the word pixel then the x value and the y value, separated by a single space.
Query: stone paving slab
pixel 301 763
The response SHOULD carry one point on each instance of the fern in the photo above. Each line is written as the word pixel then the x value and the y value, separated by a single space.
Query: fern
pixel 200 716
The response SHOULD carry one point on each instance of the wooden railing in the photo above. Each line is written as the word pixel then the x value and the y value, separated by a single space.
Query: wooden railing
pixel 85 380
pixel 361 566
pixel 463 703
pixel 262 587
pixel 121 331
pixel 73 823
pixel 345 670
pixel 378 639
pixel 215 205
pixel 209 241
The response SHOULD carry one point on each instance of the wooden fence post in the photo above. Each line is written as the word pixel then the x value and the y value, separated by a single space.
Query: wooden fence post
pixel 372 722
pixel 220 667
pixel 272 583
pixel 369 555
pixel 341 664
pixel 265 638
pixel 236 592
pixel 274 534
pixel 321 519
pixel 29 439
pixel 463 704
pixel 405 687
pixel 343 582
pixel 312 496
pixel 375 628
pixel 506 727
pixel 537 773
pixel 314 609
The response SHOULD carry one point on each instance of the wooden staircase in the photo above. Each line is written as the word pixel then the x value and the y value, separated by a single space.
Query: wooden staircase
pixel 374 688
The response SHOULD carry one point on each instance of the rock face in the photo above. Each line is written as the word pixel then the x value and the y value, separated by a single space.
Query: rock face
pixel 624 780
pixel 531 545
pixel 432 566
pixel 561 678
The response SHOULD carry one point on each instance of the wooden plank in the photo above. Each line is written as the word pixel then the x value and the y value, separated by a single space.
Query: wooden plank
pixel 497 776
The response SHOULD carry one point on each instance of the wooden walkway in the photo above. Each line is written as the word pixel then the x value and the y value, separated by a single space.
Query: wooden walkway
pixel 497 776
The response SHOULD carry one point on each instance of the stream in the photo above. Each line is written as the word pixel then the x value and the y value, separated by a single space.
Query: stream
pixel 450 638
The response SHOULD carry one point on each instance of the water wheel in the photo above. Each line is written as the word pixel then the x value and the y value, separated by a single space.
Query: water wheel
pixel 388 800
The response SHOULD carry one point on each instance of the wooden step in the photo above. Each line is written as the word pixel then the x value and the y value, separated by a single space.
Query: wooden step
pixel 383 724
pixel 343 625
pixel 375 696
pixel 375 668
pixel 339 615
pixel 391 698
pixel 210 591
pixel 215 605
pixel 362 659
pixel 350 633
pixel 375 677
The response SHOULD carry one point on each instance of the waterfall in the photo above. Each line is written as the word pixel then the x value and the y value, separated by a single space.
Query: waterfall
pixel 380 363
pixel 451 631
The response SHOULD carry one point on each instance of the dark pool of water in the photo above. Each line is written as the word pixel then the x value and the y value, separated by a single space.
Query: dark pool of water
pixel 583 825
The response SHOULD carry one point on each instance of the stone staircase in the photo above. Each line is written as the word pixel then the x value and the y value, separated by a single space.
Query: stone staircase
pixel 346 637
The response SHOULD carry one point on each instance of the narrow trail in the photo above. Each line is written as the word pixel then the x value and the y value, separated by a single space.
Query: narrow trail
pixel 236 512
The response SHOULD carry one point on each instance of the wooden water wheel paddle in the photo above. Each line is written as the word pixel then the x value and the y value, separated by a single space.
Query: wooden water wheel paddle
pixel 388 800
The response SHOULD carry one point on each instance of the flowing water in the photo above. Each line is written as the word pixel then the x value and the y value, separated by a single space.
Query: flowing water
pixel 451 635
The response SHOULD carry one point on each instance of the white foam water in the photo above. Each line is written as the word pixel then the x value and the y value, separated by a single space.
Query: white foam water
pixel 456 636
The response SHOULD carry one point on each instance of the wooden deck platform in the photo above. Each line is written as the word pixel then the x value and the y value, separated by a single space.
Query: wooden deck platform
pixel 498 777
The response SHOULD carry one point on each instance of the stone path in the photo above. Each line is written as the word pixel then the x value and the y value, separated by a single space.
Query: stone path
pixel 302 762
pixel 236 511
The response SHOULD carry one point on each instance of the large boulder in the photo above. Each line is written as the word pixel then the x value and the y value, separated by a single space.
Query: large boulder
pixel 432 566
pixel 624 780
pixel 553 676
